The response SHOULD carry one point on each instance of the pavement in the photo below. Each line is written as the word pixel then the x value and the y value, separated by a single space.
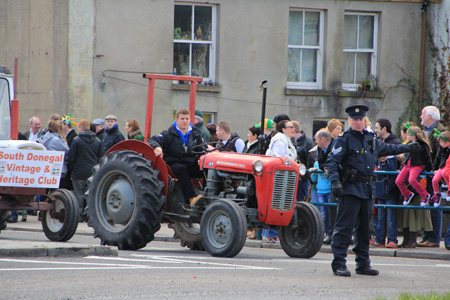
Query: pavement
pixel 10 247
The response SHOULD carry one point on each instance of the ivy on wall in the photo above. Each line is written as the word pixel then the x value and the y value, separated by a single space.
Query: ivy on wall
pixel 440 54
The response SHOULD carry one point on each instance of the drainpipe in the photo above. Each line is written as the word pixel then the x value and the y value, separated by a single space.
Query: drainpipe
pixel 422 54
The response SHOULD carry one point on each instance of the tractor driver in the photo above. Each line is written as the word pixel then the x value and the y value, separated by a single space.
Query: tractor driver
pixel 174 145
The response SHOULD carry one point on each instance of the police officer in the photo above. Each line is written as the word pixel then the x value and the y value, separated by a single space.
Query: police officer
pixel 351 166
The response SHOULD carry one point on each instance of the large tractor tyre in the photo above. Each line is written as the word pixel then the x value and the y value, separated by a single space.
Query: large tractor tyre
pixel 189 234
pixel 59 224
pixel 125 200
pixel 305 240
pixel 223 228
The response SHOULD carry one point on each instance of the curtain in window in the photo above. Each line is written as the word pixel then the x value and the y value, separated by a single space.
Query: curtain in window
pixel 358 36
pixel 312 28
pixel 295 28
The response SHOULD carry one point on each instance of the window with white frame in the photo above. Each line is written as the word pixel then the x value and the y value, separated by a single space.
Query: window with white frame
pixel 194 40
pixel 360 48
pixel 305 43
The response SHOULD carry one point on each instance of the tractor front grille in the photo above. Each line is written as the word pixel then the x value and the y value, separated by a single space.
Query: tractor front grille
pixel 284 185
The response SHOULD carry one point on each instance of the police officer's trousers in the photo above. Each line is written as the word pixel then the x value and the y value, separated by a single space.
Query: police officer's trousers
pixel 352 212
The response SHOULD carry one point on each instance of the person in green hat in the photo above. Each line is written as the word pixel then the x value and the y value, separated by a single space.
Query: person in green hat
pixel 198 122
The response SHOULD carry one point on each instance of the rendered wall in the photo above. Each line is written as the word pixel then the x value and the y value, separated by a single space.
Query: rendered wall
pixel 252 46
pixel 70 53
pixel 35 32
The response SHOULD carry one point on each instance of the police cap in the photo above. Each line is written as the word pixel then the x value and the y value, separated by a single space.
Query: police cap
pixel 357 111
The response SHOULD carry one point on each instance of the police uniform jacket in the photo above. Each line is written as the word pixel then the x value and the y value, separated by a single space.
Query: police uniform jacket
pixel 358 152
pixel 174 149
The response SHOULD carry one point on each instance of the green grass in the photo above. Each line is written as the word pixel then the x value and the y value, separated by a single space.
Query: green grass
pixel 429 296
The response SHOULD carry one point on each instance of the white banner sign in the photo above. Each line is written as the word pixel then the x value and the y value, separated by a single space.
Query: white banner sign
pixel 30 168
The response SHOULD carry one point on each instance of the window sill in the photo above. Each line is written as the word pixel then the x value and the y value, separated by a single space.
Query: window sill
pixel 361 94
pixel 200 88
pixel 303 92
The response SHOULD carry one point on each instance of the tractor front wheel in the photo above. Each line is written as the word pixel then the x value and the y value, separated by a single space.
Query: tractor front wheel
pixel 303 237
pixel 223 228
pixel 59 224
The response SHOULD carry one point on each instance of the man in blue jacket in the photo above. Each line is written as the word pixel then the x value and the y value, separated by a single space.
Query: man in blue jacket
pixel 175 146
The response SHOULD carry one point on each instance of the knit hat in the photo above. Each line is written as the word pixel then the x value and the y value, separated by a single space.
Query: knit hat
pixel 281 117
pixel 198 113
pixel 268 123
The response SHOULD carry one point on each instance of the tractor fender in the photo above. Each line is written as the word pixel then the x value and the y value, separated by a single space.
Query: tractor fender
pixel 149 154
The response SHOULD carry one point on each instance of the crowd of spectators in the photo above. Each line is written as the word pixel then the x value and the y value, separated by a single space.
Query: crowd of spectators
pixel 283 137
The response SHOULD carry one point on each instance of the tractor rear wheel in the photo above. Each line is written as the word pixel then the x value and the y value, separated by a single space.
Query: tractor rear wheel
pixel 189 234
pixel 59 224
pixel 125 200
pixel 223 228
pixel 305 240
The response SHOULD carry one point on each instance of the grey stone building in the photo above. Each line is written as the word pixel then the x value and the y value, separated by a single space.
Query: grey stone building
pixel 86 57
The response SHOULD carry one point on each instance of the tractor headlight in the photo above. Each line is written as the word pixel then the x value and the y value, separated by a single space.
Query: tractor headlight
pixel 302 169
pixel 257 166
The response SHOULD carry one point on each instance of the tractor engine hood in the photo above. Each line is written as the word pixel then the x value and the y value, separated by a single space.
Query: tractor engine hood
pixel 276 181
pixel 242 162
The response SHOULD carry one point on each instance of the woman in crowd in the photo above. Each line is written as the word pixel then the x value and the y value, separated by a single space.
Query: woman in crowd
pixel 54 140
pixel 281 146
pixel 251 145
pixel 212 130
pixel 133 130
pixel 335 127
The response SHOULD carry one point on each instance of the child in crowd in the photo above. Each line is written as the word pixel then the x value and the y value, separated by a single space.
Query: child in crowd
pixel 413 164
pixel 440 164
pixel 323 185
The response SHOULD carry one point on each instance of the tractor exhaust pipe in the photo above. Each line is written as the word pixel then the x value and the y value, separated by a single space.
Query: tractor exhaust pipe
pixel 262 137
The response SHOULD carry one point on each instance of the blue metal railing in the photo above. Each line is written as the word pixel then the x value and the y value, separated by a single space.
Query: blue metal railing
pixel 423 174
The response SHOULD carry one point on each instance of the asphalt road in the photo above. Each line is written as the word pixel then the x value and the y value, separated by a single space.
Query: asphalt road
pixel 164 270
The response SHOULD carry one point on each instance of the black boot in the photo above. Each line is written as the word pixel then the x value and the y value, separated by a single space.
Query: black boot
pixel 412 240
pixel 405 237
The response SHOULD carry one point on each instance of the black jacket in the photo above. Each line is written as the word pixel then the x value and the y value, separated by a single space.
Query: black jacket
pixel 441 157
pixel 304 144
pixel 419 158
pixel 101 135
pixel 356 151
pixel 230 145
pixel 392 139
pixel 434 142
pixel 70 136
pixel 172 145
pixel 113 136
pixel 323 155
pixel 253 149
pixel 84 154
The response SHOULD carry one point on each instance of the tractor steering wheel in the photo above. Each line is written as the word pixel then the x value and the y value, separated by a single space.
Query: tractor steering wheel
pixel 204 150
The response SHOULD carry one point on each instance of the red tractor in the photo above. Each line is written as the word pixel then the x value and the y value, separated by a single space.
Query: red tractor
pixel 132 192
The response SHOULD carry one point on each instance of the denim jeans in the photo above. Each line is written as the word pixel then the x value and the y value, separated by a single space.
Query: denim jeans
pixel 447 236
pixel 436 219
pixel 324 198
pixel 389 216
pixel 302 189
